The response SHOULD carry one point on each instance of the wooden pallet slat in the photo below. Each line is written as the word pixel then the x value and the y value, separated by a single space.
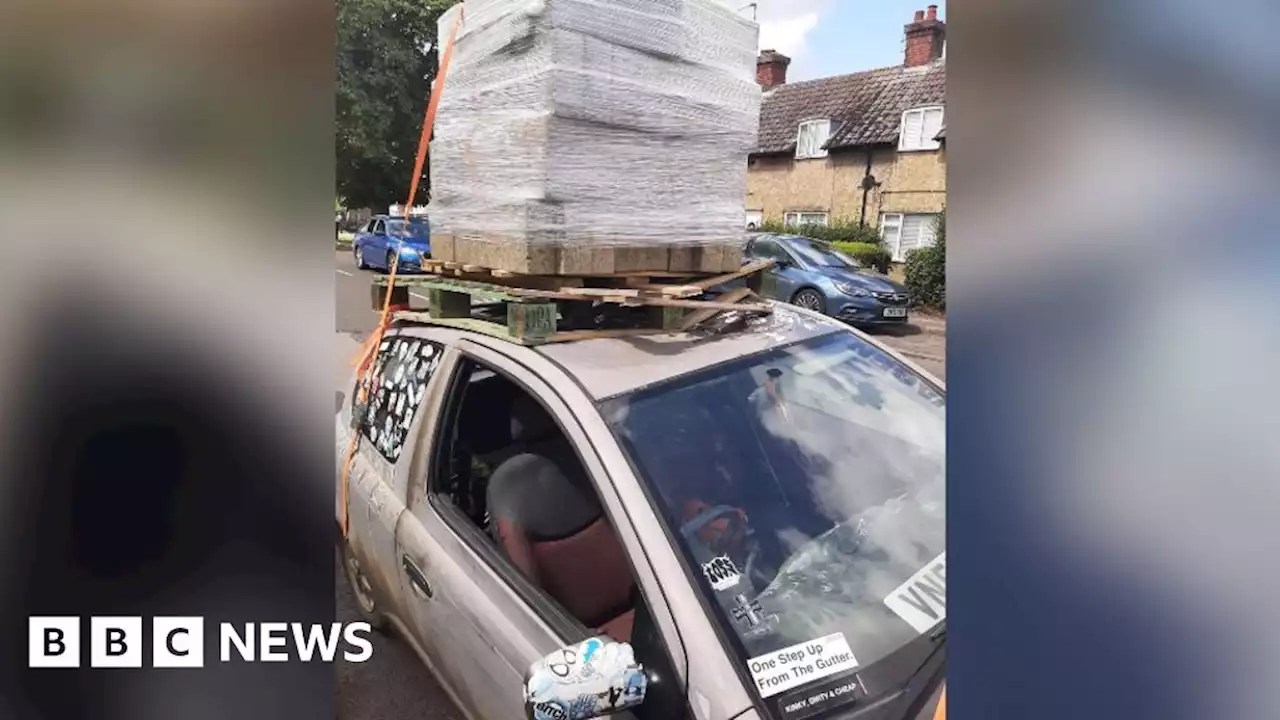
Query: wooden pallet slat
pixel 533 307
pixel 697 317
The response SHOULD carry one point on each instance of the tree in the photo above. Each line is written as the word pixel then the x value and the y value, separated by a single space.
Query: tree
pixel 386 61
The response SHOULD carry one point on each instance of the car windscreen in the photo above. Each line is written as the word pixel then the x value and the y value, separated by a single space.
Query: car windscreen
pixel 416 229
pixel 805 489
pixel 820 254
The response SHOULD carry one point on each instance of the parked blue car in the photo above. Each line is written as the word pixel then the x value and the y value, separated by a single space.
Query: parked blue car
pixel 814 275
pixel 386 240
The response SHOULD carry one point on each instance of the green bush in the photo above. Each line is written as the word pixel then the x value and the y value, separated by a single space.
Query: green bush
pixel 842 231
pixel 867 255
pixel 926 269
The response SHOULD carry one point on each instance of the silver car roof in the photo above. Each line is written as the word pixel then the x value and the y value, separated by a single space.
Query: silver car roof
pixel 609 367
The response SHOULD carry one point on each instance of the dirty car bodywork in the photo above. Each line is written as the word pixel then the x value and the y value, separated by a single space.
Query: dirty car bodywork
pixel 422 567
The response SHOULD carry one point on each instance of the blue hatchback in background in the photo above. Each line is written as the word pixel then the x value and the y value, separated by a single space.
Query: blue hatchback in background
pixel 814 275
pixel 385 240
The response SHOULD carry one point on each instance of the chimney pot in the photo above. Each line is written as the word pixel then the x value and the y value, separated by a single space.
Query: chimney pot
pixel 771 69
pixel 919 16
pixel 933 12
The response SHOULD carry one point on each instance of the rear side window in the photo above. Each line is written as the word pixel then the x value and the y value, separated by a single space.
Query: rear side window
pixel 404 367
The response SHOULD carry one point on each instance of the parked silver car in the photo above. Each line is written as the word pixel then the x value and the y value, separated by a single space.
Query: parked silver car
pixel 747 523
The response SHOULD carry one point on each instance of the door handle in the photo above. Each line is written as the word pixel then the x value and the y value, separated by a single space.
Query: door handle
pixel 417 580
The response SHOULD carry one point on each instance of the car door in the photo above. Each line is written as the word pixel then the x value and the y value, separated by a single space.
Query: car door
pixel 376 254
pixel 489 622
pixel 470 621
pixel 787 272
pixel 404 368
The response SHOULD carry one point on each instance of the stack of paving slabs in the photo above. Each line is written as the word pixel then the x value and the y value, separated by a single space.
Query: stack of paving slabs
pixel 594 137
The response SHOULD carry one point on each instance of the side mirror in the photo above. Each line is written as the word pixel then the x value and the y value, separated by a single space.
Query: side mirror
pixel 595 678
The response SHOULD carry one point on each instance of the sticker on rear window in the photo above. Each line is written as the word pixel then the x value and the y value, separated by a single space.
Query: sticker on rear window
pixel 922 599
pixel 791 667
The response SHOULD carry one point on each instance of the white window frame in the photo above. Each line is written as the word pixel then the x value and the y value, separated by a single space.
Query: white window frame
pixel 823 134
pixel 891 226
pixel 796 219
pixel 924 140
pixel 754 217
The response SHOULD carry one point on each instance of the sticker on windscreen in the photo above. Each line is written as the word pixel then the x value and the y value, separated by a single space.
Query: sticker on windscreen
pixel 922 599
pixel 816 699
pixel 721 573
pixel 791 667
pixel 750 618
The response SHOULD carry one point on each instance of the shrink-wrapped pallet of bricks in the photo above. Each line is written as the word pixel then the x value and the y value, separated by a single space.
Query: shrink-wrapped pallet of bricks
pixel 594 137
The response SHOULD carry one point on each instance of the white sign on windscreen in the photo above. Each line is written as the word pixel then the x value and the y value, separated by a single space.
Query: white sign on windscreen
pixel 922 599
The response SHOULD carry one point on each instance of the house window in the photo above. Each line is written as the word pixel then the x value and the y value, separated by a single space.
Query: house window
pixel 796 219
pixel 812 136
pixel 920 127
pixel 903 232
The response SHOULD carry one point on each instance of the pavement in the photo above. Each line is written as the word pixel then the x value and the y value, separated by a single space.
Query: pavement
pixel 393 684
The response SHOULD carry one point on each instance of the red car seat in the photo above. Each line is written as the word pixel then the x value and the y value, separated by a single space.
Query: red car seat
pixel 548 520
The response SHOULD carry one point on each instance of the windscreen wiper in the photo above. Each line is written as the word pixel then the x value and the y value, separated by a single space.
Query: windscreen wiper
pixel 938 637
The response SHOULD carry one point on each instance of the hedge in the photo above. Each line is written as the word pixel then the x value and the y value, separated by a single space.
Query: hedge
pixel 842 231
pixel 926 269
pixel 872 256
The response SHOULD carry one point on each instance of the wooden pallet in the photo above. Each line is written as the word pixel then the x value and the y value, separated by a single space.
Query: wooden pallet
pixel 533 310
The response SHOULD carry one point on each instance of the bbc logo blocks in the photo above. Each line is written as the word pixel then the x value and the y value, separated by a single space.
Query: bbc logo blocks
pixel 177 642
pixel 115 642
pixel 53 642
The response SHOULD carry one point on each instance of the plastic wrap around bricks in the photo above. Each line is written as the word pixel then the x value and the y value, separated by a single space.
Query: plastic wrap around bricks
pixel 595 136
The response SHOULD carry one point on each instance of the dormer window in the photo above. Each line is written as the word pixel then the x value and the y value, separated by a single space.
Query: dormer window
pixel 813 135
pixel 920 128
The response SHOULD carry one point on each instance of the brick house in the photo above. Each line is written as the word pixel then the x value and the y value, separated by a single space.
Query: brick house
pixel 866 148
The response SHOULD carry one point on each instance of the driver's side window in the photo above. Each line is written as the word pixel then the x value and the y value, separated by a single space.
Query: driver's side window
pixel 510 481
pixel 379 227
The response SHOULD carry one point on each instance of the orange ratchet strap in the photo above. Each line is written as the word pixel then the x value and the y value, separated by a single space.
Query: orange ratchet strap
pixel 364 360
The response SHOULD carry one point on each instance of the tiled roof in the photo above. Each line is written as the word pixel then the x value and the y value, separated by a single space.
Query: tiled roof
pixel 865 108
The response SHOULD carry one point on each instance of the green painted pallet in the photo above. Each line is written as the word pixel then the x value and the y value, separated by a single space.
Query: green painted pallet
pixel 450 302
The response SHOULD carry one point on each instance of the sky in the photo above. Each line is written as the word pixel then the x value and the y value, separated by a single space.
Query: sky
pixel 835 37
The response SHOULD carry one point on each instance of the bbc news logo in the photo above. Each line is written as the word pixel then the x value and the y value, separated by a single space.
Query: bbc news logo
pixel 178 642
